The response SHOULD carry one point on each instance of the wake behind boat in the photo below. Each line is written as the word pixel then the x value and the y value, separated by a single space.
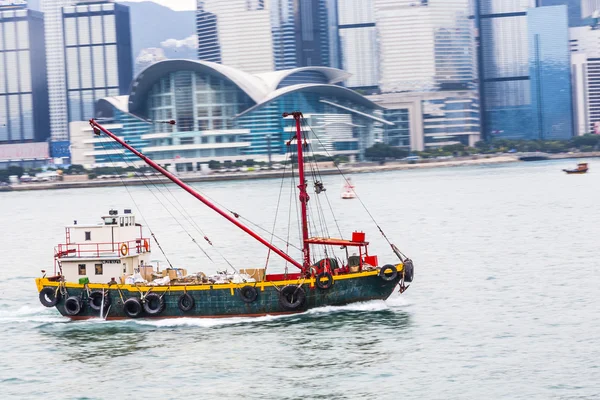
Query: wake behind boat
pixel 87 265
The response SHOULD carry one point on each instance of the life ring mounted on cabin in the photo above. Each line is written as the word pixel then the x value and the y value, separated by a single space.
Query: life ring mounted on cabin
pixel 146 245
pixel 124 249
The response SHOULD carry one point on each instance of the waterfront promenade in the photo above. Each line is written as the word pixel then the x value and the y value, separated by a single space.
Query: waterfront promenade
pixel 325 168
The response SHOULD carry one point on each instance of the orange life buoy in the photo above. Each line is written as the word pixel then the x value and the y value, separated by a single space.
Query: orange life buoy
pixel 124 249
pixel 146 245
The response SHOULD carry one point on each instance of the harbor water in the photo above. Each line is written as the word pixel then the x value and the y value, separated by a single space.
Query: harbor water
pixel 503 304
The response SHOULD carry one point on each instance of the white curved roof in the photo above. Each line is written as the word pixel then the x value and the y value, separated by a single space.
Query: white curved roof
pixel 260 88
pixel 273 79
pixel 314 87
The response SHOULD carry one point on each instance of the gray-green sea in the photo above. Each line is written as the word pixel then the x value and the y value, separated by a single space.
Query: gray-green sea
pixel 504 304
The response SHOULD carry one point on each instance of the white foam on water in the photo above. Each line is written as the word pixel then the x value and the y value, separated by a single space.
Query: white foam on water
pixel 30 314
pixel 397 300
pixel 374 305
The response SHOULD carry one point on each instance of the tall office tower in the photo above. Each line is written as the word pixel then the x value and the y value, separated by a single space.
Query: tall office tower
pixel 23 82
pixel 208 37
pixel 284 34
pixel 574 10
pixel 585 64
pixel 311 33
pixel 550 72
pixel 266 35
pixel 97 54
pixel 59 120
pixel 425 45
pixel 511 100
pixel 236 33
pixel 358 42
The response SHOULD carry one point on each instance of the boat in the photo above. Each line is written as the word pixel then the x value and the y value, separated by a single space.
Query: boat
pixel 348 190
pixel 582 168
pixel 105 270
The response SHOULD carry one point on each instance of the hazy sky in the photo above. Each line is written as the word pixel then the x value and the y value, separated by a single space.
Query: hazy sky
pixel 174 4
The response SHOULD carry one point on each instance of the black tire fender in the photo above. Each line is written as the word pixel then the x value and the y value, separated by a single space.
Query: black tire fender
pixel 409 270
pixel 95 300
pixel 324 280
pixel 292 297
pixel 248 294
pixel 49 296
pixel 73 305
pixel 388 273
pixel 186 302
pixel 133 307
pixel 154 304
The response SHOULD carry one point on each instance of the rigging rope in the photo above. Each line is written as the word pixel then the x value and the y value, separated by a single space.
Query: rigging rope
pixel 139 210
pixel 346 179
pixel 163 205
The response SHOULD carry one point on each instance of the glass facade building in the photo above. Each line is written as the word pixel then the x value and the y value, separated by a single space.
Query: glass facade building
pixel 426 45
pixel 59 118
pixel 515 65
pixel 358 42
pixel 550 72
pixel 265 35
pixel 225 114
pixel 24 113
pixel 97 55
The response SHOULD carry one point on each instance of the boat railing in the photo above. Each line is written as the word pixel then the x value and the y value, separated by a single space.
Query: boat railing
pixel 103 249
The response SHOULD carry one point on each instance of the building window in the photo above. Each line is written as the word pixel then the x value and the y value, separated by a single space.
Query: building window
pixel 98 269
pixel 219 139
pixel 81 269
pixel 186 140
pixel 88 236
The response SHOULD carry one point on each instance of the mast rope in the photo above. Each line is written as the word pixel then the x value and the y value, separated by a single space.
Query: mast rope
pixel 346 180
pixel 190 220
pixel 148 181
pixel 138 208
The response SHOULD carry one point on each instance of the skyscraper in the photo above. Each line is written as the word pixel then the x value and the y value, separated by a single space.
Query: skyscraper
pixel 97 54
pixel 550 72
pixel 242 31
pixel 59 120
pixel 427 72
pixel 266 35
pixel 358 42
pixel 510 100
pixel 426 45
pixel 576 17
pixel 23 82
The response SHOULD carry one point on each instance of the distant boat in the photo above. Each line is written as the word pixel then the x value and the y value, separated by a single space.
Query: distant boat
pixel 348 190
pixel 536 156
pixel 582 168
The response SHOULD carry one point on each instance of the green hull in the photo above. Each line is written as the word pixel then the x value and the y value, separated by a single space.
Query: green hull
pixel 226 300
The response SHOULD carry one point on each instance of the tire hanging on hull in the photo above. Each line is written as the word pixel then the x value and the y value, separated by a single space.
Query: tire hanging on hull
pixel 49 296
pixel 73 305
pixel 133 307
pixel 388 273
pixel 154 304
pixel 95 300
pixel 292 297
pixel 248 294
pixel 186 302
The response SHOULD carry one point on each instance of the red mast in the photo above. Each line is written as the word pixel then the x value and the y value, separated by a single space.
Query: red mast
pixel 95 125
pixel 302 186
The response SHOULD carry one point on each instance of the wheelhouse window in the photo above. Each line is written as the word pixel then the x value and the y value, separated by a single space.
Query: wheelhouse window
pixel 81 269
pixel 88 235
pixel 98 269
